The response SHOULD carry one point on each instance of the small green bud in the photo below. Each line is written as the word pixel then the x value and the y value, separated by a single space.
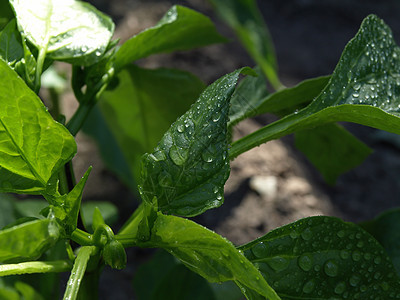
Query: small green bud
pixel 114 255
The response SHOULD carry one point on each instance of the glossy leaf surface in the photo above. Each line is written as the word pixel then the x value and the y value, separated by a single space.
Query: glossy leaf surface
pixel 68 30
pixel 28 240
pixel 364 89
pixel 138 114
pixel 331 149
pixel 33 146
pixel 180 29
pixel 188 168
pixel 207 253
pixel 248 96
pixel 324 258
pixel 245 18
pixel 386 229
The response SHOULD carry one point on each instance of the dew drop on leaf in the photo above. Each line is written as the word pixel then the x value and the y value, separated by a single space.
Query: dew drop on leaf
pixel 260 250
pixel 305 262
pixel 306 234
pixel 354 280
pixel 356 255
pixel 309 286
pixel 278 263
pixel 178 155
pixel 340 288
pixel 331 268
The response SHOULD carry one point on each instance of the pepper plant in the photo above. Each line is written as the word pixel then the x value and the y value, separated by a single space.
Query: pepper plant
pixel 180 169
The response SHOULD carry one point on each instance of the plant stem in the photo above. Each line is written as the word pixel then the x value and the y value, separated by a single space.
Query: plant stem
pixel 35 267
pixel 78 271
pixel 131 226
pixel 270 132
pixel 77 120
pixel 82 237
pixel 39 68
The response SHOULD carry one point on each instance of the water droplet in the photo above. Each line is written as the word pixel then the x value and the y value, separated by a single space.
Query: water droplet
pixel 331 268
pixel 178 155
pixel 278 263
pixel 97 53
pixel 340 287
pixel 84 48
pixel 356 95
pixel 180 128
pixel 165 179
pixel 294 234
pixel 260 250
pixel 354 280
pixel 306 234
pixel 360 244
pixel 207 157
pixel 357 86
pixel 305 262
pixel 341 233
pixel 356 255
pixel 377 260
pixel 309 286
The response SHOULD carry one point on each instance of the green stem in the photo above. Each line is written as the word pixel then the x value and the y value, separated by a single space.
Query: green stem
pixel 78 119
pixel 35 267
pixel 82 237
pixel 275 130
pixel 39 68
pixel 127 240
pixel 78 271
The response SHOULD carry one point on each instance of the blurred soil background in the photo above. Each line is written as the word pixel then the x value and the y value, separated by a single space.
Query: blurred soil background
pixel 273 184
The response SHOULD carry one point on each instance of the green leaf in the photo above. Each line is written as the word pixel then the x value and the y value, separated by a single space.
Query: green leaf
pixel 6 13
pixel 6 210
pixel 108 211
pixel 66 207
pixel 175 281
pixel 180 29
pixel 11 49
pixel 30 207
pixel 248 96
pixel 33 146
pixel 111 153
pixel 27 292
pixel 139 114
pixel 332 150
pixel 386 229
pixel 188 168
pixel 49 25
pixel 324 258
pixel 207 253
pixel 364 89
pixel 290 100
pixel 245 18
pixel 27 241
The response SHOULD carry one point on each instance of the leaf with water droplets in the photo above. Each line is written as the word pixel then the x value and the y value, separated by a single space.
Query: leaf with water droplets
pixel 207 253
pixel 68 30
pixel 188 169
pixel 180 29
pixel 386 229
pixel 364 89
pixel 324 258
pixel 33 146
